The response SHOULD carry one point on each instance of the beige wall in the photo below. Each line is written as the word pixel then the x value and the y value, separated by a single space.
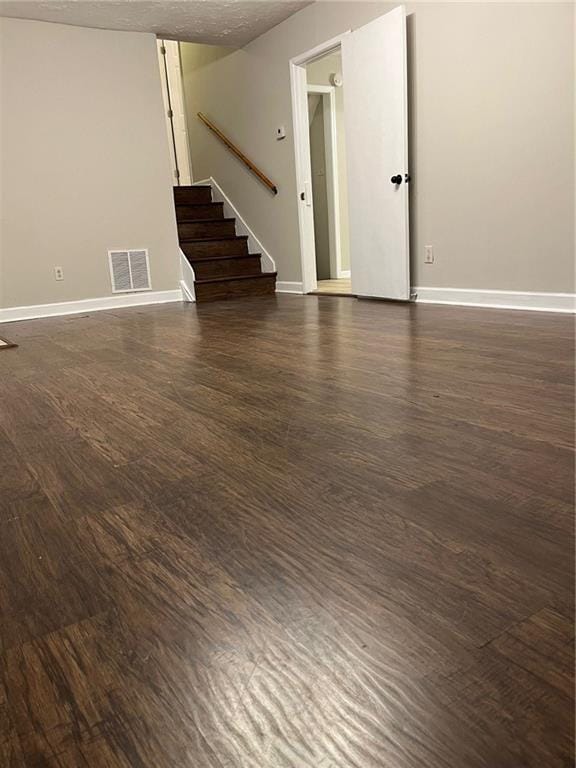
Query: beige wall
pixel 318 73
pixel 84 161
pixel 492 148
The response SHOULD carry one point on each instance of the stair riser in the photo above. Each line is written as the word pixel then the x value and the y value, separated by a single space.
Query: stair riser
pixel 236 247
pixel 222 267
pixel 235 289
pixel 208 211
pixel 191 229
pixel 192 194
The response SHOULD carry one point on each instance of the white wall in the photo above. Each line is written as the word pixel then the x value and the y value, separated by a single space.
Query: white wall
pixel 492 136
pixel 84 161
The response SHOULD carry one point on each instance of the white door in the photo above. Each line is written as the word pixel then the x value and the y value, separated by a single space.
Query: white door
pixel 175 112
pixel 375 116
pixel 167 111
pixel 174 71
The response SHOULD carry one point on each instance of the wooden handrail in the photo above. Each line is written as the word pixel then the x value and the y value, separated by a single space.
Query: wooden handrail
pixel 240 155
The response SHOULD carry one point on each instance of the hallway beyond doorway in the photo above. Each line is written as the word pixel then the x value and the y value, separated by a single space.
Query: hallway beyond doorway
pixel 339 287
pixel 328 167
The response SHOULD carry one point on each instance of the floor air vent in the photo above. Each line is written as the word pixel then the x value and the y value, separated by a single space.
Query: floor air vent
pixel 129 271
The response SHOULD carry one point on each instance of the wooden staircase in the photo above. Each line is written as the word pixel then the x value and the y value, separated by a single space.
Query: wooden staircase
pixel 223 267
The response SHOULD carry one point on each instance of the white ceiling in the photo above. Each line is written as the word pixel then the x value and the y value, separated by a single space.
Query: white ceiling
pixel 218 22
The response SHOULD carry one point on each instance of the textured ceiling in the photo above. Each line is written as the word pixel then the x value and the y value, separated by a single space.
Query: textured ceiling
pixel 219 22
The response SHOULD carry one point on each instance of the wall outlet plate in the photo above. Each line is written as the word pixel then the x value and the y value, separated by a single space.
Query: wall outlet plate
pixel 280 132
pixel 428 254
pixel 58 273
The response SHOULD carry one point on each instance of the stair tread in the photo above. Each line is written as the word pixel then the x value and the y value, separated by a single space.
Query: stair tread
pixel 224 257
pixel 203 221
pixel 228 278
pixel 212 238
pixel 192 186
pixel 184 210
pixel 198 205
pixel 192 194
pixel 187 219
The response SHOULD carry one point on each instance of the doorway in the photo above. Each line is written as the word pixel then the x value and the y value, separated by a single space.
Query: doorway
pixel 328 173
pixel 373 83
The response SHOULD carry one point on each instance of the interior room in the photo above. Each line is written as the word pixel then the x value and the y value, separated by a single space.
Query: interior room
pixel 287 384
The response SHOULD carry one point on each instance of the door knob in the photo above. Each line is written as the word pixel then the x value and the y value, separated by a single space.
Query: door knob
pixel 396 179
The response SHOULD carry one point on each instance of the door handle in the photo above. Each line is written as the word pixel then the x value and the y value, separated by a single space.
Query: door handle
pixel 396 179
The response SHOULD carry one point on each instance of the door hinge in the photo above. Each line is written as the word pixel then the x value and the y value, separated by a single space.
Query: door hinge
pixel 170 113
pixel 177 173
pixel 163 50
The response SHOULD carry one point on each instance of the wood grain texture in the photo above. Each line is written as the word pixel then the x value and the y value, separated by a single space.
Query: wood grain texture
pixel 199 228
pixel 287 532
pixel 198 250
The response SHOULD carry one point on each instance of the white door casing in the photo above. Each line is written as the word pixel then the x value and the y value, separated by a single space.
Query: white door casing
pixel 299 90
pixel 303 176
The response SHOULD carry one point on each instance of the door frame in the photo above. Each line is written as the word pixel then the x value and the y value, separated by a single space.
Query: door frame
pixel 328 98
pixel 299 93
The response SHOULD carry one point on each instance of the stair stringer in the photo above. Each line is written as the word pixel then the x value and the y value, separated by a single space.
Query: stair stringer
pixel 187 278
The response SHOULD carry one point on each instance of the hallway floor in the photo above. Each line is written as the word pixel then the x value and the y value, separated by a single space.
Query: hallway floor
pixel 340 286
pixel 287 533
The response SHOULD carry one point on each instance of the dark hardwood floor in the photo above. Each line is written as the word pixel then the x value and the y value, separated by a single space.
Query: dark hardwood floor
pixel 287 532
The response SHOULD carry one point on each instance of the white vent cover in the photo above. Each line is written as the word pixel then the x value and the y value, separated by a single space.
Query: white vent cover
pixel 129 271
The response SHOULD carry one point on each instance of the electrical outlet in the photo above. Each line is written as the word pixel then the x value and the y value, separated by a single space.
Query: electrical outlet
pixel 58 273
pixel 428 254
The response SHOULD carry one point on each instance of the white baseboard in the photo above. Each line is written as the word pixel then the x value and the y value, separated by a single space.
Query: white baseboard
pixel 287 287
pixel 538 302
pixel 344 274
pixel 12 314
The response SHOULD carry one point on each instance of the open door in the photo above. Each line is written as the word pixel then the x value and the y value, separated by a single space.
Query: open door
pixel 174 111
pixel 376 120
